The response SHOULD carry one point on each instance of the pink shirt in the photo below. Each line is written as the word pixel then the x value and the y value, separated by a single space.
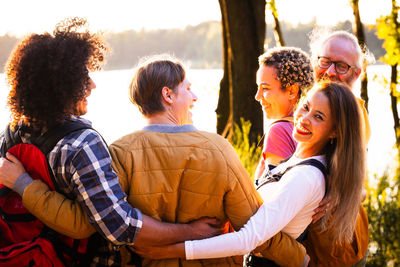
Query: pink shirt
pixel 279 140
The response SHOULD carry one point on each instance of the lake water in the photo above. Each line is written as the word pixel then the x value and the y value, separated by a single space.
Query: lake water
pixel 114 116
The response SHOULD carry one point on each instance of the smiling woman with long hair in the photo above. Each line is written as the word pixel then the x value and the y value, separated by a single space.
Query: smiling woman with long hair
pixel 327 129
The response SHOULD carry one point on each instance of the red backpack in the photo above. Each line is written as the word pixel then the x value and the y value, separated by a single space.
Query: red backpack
pixel 24 240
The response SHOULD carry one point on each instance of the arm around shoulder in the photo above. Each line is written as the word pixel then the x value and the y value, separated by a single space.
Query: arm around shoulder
pixel 56 211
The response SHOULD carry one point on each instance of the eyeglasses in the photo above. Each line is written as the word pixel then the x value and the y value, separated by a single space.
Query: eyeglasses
pixel 340 66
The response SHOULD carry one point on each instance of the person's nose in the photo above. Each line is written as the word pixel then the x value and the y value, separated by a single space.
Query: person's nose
pixel 306 118
pixel 194 97
pixel 258 95
pixel 302 117
pixel 91 85
pixel 331 71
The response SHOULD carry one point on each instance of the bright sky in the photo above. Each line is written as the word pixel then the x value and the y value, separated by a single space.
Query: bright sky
pixel 19 17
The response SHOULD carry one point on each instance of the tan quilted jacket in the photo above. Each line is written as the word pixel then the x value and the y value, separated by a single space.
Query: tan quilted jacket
pixel 174 177
pixel 179 177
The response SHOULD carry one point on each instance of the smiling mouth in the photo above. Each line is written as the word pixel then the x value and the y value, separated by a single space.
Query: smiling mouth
pixel 301 130
pixel 265 106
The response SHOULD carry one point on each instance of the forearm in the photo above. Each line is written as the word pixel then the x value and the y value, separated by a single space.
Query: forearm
pixel 56 211
pixel 154 232
pixel 282 249
pixel 252 234
pixel 161 252
pixel 176 251
pixel 66 216
pixel 217 247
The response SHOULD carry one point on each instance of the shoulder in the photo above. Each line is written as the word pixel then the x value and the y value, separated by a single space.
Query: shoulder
pixel 81 138
pixel 129 138
pixel 279 140
pixel 215 142
pixel 281 127
pixel 196 141
pixel 213 137
pixel 308 175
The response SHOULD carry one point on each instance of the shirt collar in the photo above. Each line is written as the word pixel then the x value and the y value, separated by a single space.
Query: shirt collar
pixel 162 128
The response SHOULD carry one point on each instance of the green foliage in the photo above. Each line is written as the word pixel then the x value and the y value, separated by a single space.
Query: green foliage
pixel 383 204
pixel 388 30
pixel 248 153
pixel 383 208
pixel 272 6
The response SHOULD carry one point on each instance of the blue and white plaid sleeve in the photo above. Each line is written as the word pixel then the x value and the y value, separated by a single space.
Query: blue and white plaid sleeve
pixel 99 192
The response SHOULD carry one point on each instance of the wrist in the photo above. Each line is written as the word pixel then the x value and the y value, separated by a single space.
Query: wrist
pixel 182 232
pixel 177 250
pixel 21 183
pixel 306 261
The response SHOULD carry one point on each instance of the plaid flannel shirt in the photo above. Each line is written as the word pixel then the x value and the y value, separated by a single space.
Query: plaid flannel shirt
pixel 82 166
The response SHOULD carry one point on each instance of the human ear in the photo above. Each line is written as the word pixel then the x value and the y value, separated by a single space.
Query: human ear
pixel 166 94
pixel 293 91
pixel 357 72
pixel 333 134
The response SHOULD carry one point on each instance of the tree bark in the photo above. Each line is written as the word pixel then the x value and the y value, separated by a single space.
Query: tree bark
pixel 393 80
pixel 358 29
pixel 394 100
pixel 243 30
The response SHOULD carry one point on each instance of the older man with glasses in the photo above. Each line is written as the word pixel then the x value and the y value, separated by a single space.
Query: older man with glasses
pixel 337 56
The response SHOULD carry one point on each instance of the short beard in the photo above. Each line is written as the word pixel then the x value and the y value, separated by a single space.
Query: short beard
pixel 323 77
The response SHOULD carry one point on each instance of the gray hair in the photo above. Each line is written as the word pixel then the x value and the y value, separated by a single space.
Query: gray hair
pixel 320 35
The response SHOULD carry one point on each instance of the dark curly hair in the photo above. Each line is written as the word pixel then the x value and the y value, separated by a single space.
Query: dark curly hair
pixel 48 74
pixel 293 66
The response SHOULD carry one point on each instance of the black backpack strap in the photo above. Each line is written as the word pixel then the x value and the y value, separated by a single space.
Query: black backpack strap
pixel 48 140
pixel 277 176
pixel 10 139
pixel 313 162
pixel 45 142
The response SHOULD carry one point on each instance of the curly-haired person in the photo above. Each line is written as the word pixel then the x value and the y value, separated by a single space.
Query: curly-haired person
pixel 49 79
pixel 285 73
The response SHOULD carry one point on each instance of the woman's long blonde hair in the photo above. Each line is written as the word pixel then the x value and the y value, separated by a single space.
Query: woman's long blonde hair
pixel 346 162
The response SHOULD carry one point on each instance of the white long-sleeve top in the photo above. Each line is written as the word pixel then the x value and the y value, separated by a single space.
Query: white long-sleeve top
pixel 288 207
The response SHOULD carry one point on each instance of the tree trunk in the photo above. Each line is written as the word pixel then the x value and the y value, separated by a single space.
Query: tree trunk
pixel 243 29
pixel 277 26
pixel 358 29
pixel 393 81
pixel 393 100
